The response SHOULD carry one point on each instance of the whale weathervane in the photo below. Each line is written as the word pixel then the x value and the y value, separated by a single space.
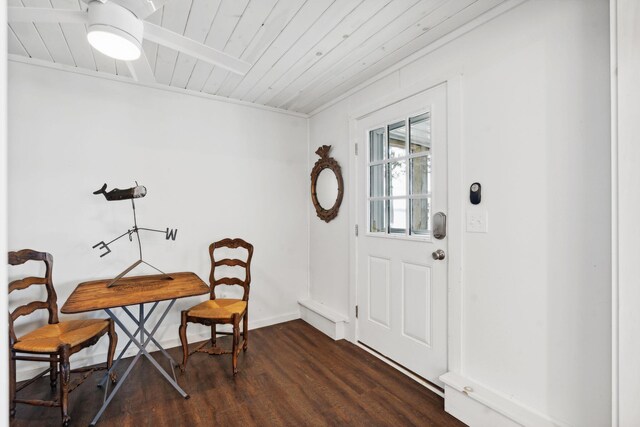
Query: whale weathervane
pixel 136 192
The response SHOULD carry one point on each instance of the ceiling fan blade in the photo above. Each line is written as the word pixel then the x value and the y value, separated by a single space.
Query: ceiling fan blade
pixel 141 70
pixel 189 47
pixel 140 8
pixel 34 14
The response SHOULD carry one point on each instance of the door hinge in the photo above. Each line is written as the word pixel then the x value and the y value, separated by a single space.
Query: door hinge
pixel 356 230
pixel 356 311
pixel 356 148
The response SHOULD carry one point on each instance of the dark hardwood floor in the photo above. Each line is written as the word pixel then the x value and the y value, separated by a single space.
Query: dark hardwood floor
pixel 291 375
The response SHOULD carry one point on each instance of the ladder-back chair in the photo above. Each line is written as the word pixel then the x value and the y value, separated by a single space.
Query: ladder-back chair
pixel 222 311
pixel 54 342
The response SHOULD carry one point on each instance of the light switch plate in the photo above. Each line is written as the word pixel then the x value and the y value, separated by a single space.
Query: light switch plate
pixel 477 221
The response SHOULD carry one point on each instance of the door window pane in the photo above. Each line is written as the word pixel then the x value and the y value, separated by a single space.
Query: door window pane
pixel 376 145
pixel 376 217
pixel 399 193
pixel 397 216
pixel 420 175
pixel 420 133
pixel 397 178
pixel 397 140
pixel 376 181
pixel 420 216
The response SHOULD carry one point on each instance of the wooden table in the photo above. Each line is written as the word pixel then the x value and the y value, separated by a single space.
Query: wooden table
pixel 138 290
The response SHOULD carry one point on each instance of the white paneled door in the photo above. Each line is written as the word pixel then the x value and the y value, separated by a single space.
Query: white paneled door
pixel 401 212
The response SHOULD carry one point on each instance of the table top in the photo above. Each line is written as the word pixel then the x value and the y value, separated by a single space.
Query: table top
pixel 95 295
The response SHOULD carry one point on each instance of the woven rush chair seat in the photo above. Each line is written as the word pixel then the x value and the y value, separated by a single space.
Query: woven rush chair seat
pixel 49 338
pixel 218 309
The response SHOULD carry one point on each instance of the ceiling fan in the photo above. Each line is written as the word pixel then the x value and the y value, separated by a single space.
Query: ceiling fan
pixel 116 28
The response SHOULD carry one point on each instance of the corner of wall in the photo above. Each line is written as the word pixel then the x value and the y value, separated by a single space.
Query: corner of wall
pixel 307 291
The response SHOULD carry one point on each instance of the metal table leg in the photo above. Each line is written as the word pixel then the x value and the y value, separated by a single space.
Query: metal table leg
pixel 115 390
pixel 126 347
pixel 146 337
pixel 142 348
pixel 153 340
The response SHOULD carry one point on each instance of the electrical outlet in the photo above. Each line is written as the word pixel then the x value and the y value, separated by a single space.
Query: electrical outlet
pixel 476 221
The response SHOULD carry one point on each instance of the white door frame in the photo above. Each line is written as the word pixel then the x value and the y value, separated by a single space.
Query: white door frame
pixel 455 197
pixel 625 238
pixel 4 301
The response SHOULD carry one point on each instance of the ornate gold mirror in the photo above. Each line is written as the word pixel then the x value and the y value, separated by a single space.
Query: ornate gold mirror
pixel 327 187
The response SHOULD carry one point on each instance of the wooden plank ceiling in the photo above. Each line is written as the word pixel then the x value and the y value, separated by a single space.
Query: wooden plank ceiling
pixel 304 52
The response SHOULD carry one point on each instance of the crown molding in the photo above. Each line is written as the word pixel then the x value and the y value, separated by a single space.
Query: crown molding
pixel 127 80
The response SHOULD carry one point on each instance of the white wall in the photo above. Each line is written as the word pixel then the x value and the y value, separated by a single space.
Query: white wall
pixel 212 169
pixel 627 235
pixel 329 242
pixel 535 133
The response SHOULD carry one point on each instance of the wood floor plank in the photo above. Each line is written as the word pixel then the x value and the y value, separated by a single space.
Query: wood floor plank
pixel 291 375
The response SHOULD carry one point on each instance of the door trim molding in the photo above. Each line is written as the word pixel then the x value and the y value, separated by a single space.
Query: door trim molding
pixel 615 232
pixel 454 99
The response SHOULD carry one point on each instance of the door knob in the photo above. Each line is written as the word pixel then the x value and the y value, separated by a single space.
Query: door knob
pixel 438 255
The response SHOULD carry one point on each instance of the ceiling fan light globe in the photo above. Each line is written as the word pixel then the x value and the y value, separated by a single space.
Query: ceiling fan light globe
pixel 114 31
pixel 114 43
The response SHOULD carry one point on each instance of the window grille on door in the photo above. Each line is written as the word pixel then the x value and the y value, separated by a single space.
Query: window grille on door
pixel 399 193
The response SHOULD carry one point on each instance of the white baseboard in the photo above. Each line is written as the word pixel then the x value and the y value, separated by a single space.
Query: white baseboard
pixel 472 412
pixel 479 406
pixel 171 339
pixel 323 318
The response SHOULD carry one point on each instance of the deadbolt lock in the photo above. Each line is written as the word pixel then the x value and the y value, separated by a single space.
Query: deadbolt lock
pixel 439 225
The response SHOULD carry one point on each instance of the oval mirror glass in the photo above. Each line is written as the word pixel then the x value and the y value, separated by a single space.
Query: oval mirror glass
pixel 327 189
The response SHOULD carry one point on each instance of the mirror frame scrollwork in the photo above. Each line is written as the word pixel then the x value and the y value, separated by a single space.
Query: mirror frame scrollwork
pixel 326 162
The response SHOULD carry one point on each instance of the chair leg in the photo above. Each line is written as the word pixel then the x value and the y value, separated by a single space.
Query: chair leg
pixel 236 340
pixel 113 342
pixel 245 330
pixel 65 377
pixel 12 384
pixel 53 374
pixel 183 340
pixel 214 334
